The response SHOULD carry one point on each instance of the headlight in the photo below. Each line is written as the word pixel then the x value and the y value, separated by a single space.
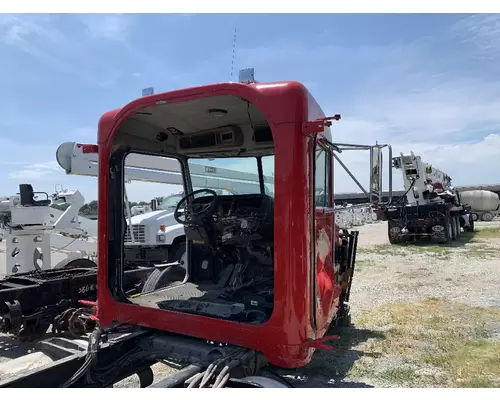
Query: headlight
pixel 160 238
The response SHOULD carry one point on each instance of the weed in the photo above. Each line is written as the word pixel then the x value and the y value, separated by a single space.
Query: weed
pixel 444 336
pixel 487 233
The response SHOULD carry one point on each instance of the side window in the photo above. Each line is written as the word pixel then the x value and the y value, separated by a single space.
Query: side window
pixel 323 177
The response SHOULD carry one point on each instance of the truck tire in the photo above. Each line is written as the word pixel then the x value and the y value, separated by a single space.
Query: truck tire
pixel 487 217
pixel 76 261
pixel 394 239
pixel 475 216
pixel 470 227
pixel 471 223
pixel 458 228
pixel 448 231
pixel 178 253
pixel 453 228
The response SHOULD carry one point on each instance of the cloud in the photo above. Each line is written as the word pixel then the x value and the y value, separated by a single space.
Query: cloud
pixel 481 32
pixel 18 29
pixel 108 26
pixel 49 43
pixel 435 95
pixel 467 163
pixel 35 171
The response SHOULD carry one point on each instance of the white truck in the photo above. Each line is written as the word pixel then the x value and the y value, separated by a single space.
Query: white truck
pixel 485 204
pixel 155 236
pixel 137 210
pixel 433 209
pixel 30 224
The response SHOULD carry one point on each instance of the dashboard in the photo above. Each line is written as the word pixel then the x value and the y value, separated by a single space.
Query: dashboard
pixel 242 219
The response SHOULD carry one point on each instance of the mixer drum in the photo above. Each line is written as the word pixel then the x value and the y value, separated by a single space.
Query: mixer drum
pixel 480 200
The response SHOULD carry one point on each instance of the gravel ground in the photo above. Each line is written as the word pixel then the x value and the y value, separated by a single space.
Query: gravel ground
pixel 466 273
pixel 461 273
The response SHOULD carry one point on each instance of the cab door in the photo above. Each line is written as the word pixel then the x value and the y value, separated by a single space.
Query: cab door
pixel 326 289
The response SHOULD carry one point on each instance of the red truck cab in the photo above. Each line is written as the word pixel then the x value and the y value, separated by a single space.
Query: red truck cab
pixel 267 273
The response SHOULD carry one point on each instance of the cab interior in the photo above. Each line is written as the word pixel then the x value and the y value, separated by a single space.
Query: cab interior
pixel 230 238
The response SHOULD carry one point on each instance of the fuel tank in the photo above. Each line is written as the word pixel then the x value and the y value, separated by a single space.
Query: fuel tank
pixel 480 200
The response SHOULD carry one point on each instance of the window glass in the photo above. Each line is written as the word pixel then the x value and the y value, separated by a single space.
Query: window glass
pixel 323 177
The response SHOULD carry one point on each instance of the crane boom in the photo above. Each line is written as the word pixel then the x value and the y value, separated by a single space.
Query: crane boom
pixel 81 159
pixel 426 181
pixel 433 210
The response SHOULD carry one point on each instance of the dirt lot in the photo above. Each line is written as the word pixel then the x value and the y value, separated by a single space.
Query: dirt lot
pixel 423 316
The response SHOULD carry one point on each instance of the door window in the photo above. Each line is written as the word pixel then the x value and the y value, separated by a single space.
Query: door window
pixel 323 178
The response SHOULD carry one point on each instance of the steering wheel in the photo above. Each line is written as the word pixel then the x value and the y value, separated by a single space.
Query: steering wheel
pixel 195 212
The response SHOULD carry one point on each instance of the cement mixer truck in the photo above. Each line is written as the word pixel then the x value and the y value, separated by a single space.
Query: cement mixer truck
pixel 485 204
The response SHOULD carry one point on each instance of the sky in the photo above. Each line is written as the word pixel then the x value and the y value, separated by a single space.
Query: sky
pixel 423 83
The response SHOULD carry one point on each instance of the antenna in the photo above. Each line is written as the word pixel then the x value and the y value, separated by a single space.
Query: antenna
pixel 234 52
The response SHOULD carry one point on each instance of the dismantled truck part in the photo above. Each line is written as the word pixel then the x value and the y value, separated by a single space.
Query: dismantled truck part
pixel 32 302
pixel 266 275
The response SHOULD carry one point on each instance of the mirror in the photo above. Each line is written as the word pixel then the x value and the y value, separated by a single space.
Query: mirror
pixel 375 175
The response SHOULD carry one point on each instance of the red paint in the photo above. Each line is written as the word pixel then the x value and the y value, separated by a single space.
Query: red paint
pixel 93 304
pixel 88 148
pixel 320 343
pixel 287 106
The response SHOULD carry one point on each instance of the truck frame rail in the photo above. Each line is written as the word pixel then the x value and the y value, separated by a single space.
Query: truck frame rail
pixel 31 302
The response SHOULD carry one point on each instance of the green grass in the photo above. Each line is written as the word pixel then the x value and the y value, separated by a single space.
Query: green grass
pixel 406 249
pixel 470 244
pixel 482 251
pixel 487 233
pixel 449 338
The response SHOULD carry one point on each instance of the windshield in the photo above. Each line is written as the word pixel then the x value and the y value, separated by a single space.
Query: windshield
pixel 236 175
pixel 170 203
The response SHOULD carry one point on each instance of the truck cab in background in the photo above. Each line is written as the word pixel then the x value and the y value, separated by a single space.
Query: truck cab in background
pixel 157 237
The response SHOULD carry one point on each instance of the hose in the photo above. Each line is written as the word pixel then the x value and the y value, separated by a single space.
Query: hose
pixel 202 379
pixel 93 347
pixel 403 196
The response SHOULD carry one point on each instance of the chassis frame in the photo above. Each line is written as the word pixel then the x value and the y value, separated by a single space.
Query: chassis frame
pixel 31 302
pixel 124 351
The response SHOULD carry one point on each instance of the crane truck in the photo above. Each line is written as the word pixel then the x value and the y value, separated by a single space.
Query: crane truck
pixel 267 278
pixel 432 209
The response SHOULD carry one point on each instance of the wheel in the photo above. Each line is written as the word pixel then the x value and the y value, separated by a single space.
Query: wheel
pixel 474 216
pixel 487 217
pixel 458 228
pixel 265 382
pixel 395 239
pixel 453 224
pixel 448 231
pixel 163 278
pixel 471 223
pixel 178 253
pixel 72 262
